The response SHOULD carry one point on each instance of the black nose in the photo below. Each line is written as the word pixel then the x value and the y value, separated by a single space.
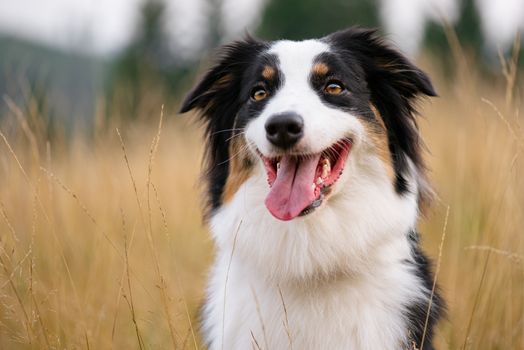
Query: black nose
pixel 285 129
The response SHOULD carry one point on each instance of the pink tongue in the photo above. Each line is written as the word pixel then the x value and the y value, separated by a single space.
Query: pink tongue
pixel 292 190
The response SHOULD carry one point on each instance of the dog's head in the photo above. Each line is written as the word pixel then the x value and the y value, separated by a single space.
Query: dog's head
pixel 314 115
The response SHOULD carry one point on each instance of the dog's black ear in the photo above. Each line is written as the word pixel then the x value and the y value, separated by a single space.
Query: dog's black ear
pixel 393 83
pixel 382 64
pixel 221 84
pixel 217 96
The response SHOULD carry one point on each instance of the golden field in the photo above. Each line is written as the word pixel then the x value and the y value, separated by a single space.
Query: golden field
pixel 102 245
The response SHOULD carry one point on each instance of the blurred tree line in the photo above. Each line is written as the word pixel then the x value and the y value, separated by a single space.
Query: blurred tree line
pixel 148 62
pixel 149 72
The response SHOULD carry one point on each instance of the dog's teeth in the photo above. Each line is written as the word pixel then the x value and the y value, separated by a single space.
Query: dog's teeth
pixel 319 180
pixel 278 165
pixel 313 186
pixel 326 168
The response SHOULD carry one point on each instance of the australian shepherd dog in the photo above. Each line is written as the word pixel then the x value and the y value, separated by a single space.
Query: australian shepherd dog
pixel 315 182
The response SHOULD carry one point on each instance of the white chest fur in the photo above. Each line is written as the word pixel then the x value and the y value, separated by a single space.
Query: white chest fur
pixel 337 279
pixel 348 313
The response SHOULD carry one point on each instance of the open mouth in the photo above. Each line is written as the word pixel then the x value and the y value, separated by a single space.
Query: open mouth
pixel 300 182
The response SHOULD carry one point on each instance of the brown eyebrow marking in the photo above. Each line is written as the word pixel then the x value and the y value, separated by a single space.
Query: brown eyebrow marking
pixel 320 69
pixel 268 72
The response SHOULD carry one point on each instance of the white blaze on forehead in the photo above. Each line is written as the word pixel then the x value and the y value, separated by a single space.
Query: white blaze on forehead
pixel 296 58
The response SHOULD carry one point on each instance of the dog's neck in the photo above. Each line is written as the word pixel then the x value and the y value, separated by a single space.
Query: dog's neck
pixel 308 269
pixel 354 258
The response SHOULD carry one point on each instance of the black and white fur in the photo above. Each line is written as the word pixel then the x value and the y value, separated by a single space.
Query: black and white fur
pixel 350 274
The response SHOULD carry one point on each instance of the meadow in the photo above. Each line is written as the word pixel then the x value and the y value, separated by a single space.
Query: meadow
pixel 102 244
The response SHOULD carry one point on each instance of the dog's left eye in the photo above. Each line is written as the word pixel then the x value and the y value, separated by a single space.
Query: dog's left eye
pixel 334 88
pixel 258 94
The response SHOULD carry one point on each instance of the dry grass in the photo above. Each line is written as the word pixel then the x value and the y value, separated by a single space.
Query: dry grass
pixel 476 142
pixel 92 258
pixel 102 245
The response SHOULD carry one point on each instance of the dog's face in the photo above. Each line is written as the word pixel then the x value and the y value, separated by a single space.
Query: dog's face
pixel 302 123
pixel 314 117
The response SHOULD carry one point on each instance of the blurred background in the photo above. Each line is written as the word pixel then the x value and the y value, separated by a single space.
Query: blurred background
pixel 101 240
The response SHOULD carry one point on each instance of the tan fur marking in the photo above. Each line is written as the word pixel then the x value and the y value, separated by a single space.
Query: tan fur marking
pixel 240 168
pixel 222 82
pixel 380 140
pixel 268 72
pixel 377 116
pixel 320 69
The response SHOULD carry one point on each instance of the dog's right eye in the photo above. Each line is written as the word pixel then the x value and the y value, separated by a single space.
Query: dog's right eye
pixel 334 88
pixel 259 94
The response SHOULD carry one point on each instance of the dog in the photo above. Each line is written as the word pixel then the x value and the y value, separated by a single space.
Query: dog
pixel 315 181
